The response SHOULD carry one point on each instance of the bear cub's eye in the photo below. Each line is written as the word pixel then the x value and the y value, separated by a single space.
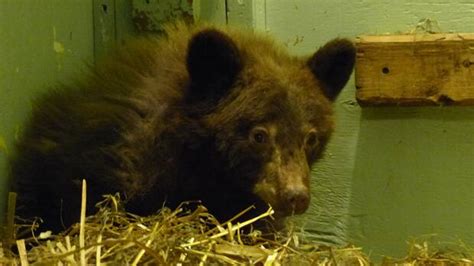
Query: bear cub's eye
pixel 259 135
pixel 311 139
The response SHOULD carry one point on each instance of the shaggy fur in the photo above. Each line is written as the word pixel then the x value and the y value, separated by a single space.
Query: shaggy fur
pixel 203 113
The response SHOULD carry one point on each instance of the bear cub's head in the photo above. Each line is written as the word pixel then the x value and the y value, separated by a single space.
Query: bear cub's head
pixel 269 113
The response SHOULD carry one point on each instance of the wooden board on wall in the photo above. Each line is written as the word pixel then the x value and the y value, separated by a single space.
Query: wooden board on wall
pixel 421 69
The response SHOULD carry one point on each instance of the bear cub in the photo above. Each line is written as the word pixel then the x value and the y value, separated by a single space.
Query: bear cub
pixel 205 113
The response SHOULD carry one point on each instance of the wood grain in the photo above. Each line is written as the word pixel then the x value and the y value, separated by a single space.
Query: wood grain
pixel 427 69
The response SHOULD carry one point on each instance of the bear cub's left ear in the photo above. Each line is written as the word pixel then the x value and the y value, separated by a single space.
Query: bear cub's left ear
pixel 332 65
pixel 213 62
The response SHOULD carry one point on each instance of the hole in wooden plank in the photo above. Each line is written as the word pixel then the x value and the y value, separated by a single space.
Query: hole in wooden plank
pixel 104 8
pixel 385 70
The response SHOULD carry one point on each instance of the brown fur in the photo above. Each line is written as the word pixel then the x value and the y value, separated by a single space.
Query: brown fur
pixel 181 118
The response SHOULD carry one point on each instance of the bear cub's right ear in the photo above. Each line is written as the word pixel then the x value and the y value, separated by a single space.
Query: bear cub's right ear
pixel 213 63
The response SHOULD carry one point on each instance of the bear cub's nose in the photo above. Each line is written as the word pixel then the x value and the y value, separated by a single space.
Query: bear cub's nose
pixel 297 200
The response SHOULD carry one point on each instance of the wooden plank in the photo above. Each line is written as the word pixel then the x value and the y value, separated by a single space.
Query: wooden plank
pixel 214 11
pixel 428 69
pixel 240 13
pixel 104 27
pixel 124 27
pixel 150 15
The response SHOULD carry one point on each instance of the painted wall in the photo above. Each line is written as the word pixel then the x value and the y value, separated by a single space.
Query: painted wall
pixel 44 42
pixel 389 173
pixel 41 42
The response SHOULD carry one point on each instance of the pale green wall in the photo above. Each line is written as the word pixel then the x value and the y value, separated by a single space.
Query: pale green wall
pixel 41 42
pixel 390 173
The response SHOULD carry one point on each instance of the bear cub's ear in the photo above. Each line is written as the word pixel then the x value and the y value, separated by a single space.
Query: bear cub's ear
pixel 332 65
pixel 213 63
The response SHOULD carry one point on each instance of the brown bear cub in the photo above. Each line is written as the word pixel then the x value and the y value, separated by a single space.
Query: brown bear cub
pixel 203 113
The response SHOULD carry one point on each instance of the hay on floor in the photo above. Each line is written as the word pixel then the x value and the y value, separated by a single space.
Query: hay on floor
pixel 186 236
